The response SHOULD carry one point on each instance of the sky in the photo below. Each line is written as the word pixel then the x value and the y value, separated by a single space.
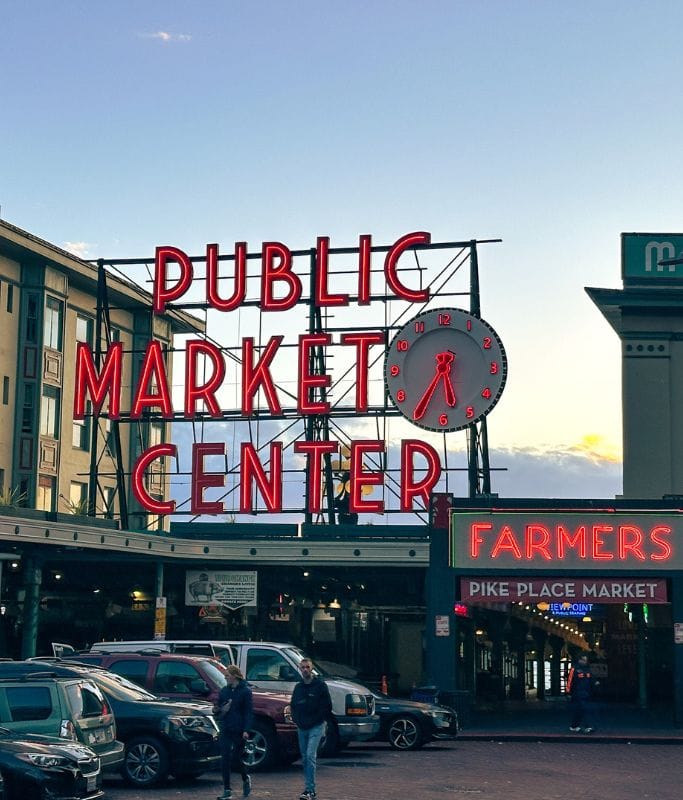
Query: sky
pixel 553 126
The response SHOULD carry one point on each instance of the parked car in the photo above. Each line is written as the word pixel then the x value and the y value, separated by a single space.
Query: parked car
pixel 190 647
pixel 70 708
pixel 274 666
pixel 409 725
pixel 37 767
pixel 160 738
pixel 182 677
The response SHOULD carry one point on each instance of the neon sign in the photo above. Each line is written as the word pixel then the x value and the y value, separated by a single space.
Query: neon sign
pixel 206 373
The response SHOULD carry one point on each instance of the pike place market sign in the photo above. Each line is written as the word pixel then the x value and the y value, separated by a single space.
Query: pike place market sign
pixel 567 541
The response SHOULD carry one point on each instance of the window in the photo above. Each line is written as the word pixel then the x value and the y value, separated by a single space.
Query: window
pixel 174 678
pixel 46 493
pixel 52 329
pixel 49 412
pixel 85 329
pixel 78 493
pixel 27 410
pixel 135 671
pixel 10 298
pixel 108 493
pixel 265 665
pixel 5 390
pixel 32 319
pixel 87 700
pixel 2 480
pixel 80 436
pixel 156 433
pixel 29 702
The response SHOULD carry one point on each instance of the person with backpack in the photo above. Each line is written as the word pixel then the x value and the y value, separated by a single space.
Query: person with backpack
pixel 580 689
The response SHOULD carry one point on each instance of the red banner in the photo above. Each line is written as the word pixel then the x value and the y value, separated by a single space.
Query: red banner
pixel 573 590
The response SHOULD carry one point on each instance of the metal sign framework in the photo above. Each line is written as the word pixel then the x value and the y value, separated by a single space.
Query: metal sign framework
pixel 441 266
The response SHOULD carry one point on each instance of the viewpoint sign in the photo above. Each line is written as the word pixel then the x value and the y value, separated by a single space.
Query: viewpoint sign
pixel 642 254
pixel 587 541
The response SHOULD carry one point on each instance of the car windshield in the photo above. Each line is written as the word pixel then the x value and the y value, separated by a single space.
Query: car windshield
pixel 120 688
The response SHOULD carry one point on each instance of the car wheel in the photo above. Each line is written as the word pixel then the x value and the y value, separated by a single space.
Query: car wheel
pixel 265 751
pixel 330 744
pixel 405 734
pixel 145 763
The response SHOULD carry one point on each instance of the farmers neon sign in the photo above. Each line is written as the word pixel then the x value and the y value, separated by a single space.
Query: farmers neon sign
pixel 280 288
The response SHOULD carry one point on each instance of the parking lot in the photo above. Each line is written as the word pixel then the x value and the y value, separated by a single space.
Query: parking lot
pixel 462 770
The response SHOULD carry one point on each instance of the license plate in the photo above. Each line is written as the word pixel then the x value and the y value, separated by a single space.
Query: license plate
pixel 91 783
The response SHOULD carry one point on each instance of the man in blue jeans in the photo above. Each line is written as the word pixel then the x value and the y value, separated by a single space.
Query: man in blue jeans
pixel 311 707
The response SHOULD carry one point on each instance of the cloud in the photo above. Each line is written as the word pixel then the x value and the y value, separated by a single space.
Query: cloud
pixel 80 249
pixel 165 36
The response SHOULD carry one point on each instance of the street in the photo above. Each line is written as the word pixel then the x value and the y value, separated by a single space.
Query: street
pixel 460 770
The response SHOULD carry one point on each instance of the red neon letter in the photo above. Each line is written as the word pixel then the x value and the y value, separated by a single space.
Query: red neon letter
pixel 411 488
pixel 322 258
pixel 656 538
pixel 541 546
pixel 308 380
pixel 506 541
pixel 364 266
pixel 193 393
pixel 282 272
pixel 635 545
pixel 314 452
pixel 598 542
pixel 152 367
pixel 391 262
pixel 212 277
pixel 258 375
pixel 363 341
pixel 109 381
pixel 251 469
pixel 565 539
pixel 139 490
pixel 203 480
pixel 358 478
pixel 161 295
pixel 475 539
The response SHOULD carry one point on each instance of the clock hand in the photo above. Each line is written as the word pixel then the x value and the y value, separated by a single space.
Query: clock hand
pixel 443 372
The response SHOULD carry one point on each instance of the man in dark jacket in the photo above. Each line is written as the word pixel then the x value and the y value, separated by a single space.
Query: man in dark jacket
pixel 311 707
pixel 233 713
pixel 579 688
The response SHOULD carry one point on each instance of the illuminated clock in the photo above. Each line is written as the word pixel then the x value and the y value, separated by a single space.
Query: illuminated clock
pixel 445 369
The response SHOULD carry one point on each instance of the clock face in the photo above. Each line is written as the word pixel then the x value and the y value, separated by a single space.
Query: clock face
pixel 445 369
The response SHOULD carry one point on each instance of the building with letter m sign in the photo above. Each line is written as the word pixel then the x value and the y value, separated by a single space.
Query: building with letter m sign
pixel 644 257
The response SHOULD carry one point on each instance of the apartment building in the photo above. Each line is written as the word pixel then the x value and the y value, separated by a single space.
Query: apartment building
pixel 48 304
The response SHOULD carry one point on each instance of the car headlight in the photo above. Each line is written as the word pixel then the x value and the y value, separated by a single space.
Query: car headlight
pixel 44 761
pixel 179 724
pixel 442 719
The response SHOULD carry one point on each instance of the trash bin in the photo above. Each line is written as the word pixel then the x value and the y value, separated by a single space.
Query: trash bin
pixel 460 700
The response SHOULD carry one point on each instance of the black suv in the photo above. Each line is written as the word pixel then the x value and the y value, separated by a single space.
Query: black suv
pixel 160 737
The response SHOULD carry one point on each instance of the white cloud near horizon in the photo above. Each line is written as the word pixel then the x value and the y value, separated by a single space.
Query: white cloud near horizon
pixel 80 249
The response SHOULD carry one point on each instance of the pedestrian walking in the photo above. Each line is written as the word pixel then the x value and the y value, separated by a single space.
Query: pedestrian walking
pixel 580 688
pixel 233 713
pixel 311 708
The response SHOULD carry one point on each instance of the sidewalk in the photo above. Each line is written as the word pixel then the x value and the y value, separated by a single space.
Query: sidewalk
pixel 549 722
